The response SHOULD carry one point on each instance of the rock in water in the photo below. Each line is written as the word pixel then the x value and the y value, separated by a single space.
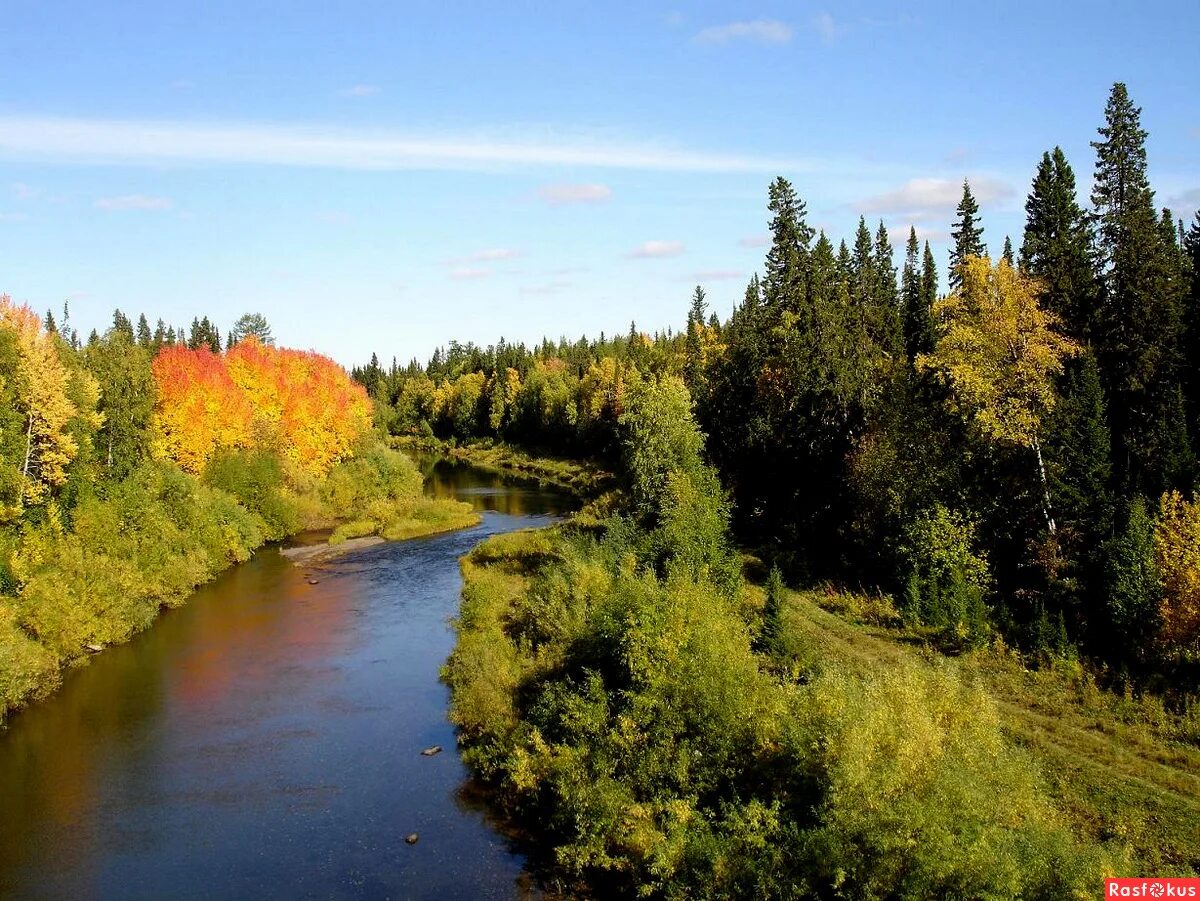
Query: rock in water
pixel 411 838
pixel 314 582
pixel 429 752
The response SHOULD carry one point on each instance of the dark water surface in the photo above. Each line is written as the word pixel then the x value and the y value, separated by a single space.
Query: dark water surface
pixel 264 740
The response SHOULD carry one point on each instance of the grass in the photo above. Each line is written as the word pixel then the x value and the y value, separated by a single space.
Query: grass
pixel 1124 770
pixel 409 518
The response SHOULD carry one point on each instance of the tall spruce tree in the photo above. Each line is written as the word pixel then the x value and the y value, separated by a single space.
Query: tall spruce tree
pixel 1057 246
pixel 1190 351
pixel 924 327
pixel 914 316
pixel 143 332
pixel 967 234
pixel 1139 317
pixel 1007 253
pixel 693 346
pixel 887 301
pixel 788 259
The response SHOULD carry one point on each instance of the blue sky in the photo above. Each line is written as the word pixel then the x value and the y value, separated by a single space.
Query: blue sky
pixel 386 176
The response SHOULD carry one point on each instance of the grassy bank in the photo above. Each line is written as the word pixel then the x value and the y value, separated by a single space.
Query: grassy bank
pixel 641 728
pixel 586 479
pixel 70 586
pixel 1124 769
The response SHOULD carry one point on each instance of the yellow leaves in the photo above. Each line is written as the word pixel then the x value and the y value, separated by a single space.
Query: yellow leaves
pixel 1177 553
pixel 999 351
pixel 43 388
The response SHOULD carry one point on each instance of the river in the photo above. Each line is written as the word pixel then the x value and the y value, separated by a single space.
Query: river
pixel 263 741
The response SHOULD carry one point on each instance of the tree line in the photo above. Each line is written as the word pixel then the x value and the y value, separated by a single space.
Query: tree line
pixel 1015 459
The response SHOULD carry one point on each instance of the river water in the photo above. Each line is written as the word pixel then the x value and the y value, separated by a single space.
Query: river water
pixel 264 740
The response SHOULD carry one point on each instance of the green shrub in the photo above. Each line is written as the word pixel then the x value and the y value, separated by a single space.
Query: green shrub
pixel 947 580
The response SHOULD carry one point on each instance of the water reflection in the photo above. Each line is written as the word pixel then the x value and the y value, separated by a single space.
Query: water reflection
pixel 263 741
pixel 487 490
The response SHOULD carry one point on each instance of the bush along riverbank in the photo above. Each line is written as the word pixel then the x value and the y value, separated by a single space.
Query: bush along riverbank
pixel 645 713
pixel 128 478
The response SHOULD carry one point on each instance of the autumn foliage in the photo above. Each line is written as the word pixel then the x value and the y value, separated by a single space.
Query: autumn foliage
pixel 298 402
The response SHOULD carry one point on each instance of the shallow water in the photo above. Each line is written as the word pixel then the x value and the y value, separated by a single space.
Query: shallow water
pixel 264 740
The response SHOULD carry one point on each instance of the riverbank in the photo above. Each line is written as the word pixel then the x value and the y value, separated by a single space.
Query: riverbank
pixel 281 720
pixel 68 592
pixel 587 479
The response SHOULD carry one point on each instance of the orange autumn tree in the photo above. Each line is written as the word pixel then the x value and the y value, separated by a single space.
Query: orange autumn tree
pixel 297 402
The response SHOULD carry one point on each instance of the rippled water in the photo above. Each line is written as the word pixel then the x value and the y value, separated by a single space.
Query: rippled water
pixel 264 740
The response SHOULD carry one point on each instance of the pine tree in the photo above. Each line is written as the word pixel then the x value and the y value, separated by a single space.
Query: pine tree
pixel 1057 246
pixel 1007 253
pixel 1079 452
pixel 967 234
pixel 1139 318
pixel 49 323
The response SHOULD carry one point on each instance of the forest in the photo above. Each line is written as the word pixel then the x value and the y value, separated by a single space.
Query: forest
pixel 1014 459
pixel 1005 471
pixel 135 466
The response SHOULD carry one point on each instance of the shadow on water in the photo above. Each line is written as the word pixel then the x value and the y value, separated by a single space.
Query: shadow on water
pixel 264 740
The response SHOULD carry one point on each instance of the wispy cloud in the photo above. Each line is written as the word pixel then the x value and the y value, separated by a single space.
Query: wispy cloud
pixel 763 31
pixel 134 202
pixel 13 217
pixel 562 194
pixel 468 273
pixel 826 27
pixel 656 249
pixel 181 84
pixel 360 90
pixel 23 191
pixel 922 198
pixel 754 241
pixel 334 217
pixel 127 142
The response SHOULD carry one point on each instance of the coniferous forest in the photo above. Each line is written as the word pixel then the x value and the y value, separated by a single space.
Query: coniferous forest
pixel 887 585
pixel 1003 472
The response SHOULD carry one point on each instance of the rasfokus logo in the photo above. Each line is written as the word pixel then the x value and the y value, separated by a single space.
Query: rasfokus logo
pixel 1165 887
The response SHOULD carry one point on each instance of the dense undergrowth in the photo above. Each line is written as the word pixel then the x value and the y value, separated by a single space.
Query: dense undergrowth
pixel 666 730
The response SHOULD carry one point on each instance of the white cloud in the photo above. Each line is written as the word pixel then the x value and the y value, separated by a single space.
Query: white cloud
pixel 764 31
pixel 134 202
pixel 361 90
pixel 334 217
pixel 921 198
pixel 561 194
pixel 825 26
pixel 1185 202
pixel 13 217
pixel 657 249
pixel 129 142
pixel 24 191
pixel 754 241
pixel 468 273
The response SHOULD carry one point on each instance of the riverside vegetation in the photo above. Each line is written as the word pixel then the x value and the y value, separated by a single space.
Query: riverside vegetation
pixel 993 490
pixel 134 467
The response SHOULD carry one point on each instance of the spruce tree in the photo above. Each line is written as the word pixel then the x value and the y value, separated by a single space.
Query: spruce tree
pixel 143 332
pixel 887 301
pixel 910 296
pixel 967 234
pixel 1139 317
pixel 788 259
pixel 1057 246
pixel 693 348
pixel 1190 350
pixel 49 323
pixel 122 326
pixel 923 329
pixel 1007 253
